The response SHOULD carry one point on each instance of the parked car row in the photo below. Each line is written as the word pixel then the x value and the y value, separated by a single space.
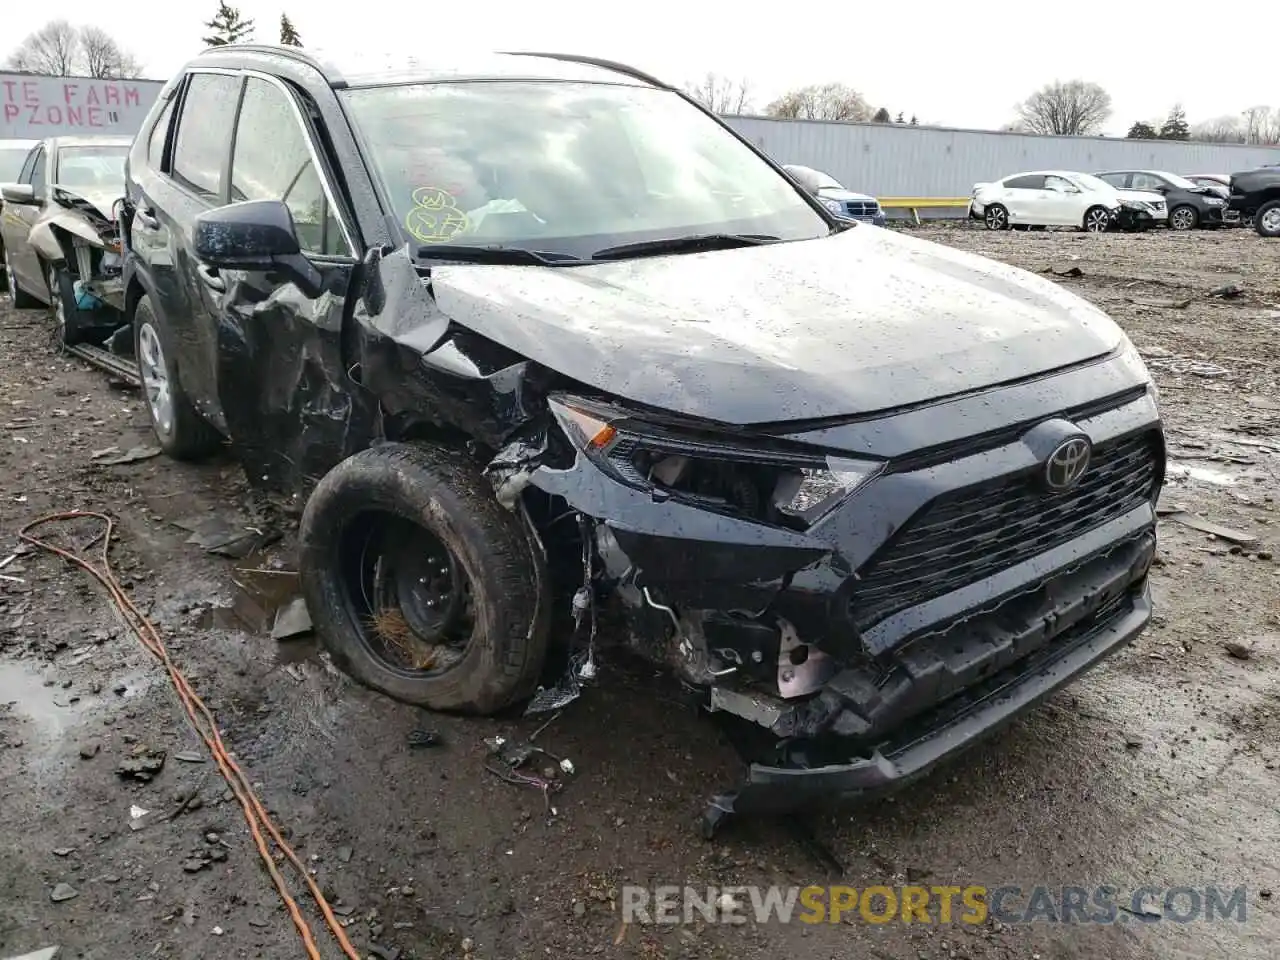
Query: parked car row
pixel 1131 200
pixel 868 495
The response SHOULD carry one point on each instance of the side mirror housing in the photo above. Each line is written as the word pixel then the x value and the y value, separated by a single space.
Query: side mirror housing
pixel 21 194
pixel 256 235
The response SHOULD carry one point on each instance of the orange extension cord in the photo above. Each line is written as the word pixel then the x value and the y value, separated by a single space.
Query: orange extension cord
pixel 254 813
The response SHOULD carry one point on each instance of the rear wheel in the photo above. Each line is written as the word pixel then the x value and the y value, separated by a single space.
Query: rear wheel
pixel 996 217
pixel 181 432
pixel 1267 220
pixel 1097 220
pixel 420 584
pixel 21 299
pixel 1183 218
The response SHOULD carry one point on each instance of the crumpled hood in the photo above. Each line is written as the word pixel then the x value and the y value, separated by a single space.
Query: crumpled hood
pixel 857 322
pixel 101 199
pixel 831 193
pixel 1141 195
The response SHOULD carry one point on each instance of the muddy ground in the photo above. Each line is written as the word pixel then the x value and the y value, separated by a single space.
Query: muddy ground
pixel 1160 768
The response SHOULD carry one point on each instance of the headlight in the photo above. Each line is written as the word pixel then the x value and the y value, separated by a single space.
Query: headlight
pixel 1214 201
pixel 835 206
pixel 770 482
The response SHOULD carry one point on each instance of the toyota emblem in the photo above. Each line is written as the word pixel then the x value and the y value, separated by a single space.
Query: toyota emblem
pixel 1067 464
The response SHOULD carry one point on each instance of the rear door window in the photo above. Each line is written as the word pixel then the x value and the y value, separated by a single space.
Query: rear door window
pixel 1028 182
pixel 1118 180
pixel 160 134
pixel 202 142
pixel 274 161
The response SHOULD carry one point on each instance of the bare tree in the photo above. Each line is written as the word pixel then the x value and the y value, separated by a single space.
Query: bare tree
pixel 1219 130
pixel 721 95
pixel 1071 108
pixel 53 49
pixel 1261 125
pixel 825 101
pixel 105 58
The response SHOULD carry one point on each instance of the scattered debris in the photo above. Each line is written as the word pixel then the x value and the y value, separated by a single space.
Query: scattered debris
pixel 1059 270
pixel 194 864
pixel 345 854
pixel 1133 742
pixel 1200 368
pixel 421 738
pixel 132 455
pixel 144 765
pixel 1164 304
pixel 189 756
pixel 63 891
pixel 1208 526
pixel 225 537
pixel 63 851
pixel 90 750
pixel 45 953
pixel 508 758
pixel 292 620
pixel 1227 292
pixel 1238 650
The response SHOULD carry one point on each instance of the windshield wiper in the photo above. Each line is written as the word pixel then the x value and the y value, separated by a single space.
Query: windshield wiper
pixel 694 242
pixel 463 253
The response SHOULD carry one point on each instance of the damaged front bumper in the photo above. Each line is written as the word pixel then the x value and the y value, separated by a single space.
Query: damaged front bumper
pixel 944 591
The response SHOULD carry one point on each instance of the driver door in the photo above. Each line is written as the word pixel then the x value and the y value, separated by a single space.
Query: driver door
pixel 291 411
pixel 20 218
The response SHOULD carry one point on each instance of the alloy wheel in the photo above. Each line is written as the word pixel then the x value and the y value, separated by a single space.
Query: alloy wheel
pixel 1183 219
pixel 155 378
pixel 1097 221
pixel 996 218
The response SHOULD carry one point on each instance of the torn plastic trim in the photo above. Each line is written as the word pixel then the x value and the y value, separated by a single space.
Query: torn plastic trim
pixel 787 788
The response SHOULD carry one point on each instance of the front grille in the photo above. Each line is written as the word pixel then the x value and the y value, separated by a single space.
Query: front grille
pixel 864 209
pixel 963 537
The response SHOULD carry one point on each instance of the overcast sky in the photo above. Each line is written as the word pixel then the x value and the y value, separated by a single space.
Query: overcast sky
pixel 963 65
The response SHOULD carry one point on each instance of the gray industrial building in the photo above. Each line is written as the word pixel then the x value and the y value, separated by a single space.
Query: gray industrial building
pixel 900 160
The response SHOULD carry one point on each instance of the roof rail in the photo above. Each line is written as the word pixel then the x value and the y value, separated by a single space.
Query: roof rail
pixel 293 53
pixel 611 65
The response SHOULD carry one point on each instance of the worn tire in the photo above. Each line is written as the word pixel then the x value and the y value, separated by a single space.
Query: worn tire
pixel 1184 217
pixel 996 216
pixel 442 492
pixel 67 326
pixel 1267 219
pixel 190 436
pixel 20 298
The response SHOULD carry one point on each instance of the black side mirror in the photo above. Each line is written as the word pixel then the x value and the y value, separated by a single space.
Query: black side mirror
pixel 255 235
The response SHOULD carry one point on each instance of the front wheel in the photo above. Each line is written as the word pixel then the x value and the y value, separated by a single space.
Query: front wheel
pixel 996 217
pixel 1267 220
pixel 180 430
pixel 420 584
pixel 1097 220
pixel 66 321
pixel 1183 218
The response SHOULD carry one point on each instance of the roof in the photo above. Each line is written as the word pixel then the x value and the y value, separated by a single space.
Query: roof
pixel 363 68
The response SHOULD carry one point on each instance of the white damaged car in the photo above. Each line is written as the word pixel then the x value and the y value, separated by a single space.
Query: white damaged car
pixel 1064 198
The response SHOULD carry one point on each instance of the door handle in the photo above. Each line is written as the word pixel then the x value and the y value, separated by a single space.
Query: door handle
pixel 147 218
pixel 211 279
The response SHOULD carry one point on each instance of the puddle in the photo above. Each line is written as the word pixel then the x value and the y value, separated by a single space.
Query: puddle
pixel 48 709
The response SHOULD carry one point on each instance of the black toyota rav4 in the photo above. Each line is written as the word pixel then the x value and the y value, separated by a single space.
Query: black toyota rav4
pixel 538 337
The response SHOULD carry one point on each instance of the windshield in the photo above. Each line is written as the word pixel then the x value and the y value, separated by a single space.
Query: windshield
pixel 95 166
pixel 566 167
pixel 1091 183
pixel 11 161
pixel 814 180
pixel 1182 183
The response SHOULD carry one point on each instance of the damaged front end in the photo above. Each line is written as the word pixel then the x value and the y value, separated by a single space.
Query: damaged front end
pixel 866 616
pixel 82 235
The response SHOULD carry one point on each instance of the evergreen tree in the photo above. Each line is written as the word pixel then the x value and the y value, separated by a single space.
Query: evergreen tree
pixel 899 119
pixel 227 26
pixel 288 35
pixel 882 116
pixel 1176 128
pixel 1142 130
pixel 914 121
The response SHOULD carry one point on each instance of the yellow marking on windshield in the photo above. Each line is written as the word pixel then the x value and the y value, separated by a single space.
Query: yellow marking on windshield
pixel 435 216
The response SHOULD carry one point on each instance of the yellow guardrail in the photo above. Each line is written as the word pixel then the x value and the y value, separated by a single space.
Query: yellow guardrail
pixel 916 204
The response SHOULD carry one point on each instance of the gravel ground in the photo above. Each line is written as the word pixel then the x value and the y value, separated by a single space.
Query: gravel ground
pixel 1160 768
